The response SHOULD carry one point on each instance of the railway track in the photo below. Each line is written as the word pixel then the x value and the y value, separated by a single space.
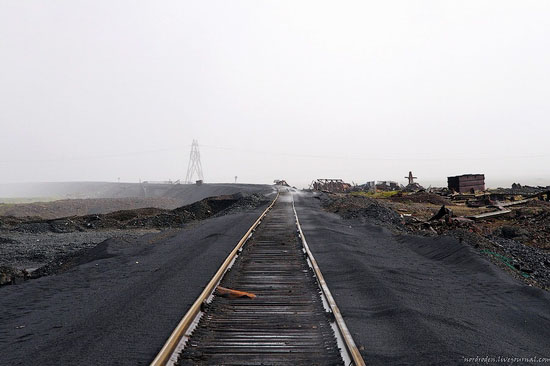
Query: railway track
pixel 282 312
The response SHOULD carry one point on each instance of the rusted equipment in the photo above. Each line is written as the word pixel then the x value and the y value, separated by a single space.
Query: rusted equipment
pixel 330 185
pixel 443 212
pixel 233 294
pixel 467 183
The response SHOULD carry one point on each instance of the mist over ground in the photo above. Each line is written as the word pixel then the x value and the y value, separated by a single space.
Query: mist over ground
pixel 101 91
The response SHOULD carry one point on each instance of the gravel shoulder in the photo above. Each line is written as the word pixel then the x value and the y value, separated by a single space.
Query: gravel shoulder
pixel 120 304
pixel 411 299
pixel 517 243
pixel 31 247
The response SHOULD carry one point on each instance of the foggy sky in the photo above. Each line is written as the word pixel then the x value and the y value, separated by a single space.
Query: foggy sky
pixel 100 90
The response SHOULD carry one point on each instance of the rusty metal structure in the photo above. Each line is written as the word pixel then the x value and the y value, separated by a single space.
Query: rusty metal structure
pixel 330 185
pixel 195 166
pixel 466 183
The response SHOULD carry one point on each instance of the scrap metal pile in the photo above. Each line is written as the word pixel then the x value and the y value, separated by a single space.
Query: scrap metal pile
pixel 330 185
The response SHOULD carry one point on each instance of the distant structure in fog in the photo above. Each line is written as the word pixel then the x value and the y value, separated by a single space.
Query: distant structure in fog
pixel 411 178
pixel 194 164
pixel 466 183
pixel 330 185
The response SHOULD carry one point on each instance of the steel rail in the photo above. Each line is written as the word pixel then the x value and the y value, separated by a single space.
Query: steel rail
pixel 344 331
pixel 171 344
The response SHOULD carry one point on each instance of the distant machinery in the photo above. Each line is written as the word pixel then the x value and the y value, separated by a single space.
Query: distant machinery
pixel 195 165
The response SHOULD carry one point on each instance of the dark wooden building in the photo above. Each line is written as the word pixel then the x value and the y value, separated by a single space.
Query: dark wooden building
pixel 466 183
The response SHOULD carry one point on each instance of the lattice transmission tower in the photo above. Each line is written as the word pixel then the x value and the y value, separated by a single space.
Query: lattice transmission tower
pixel 194 163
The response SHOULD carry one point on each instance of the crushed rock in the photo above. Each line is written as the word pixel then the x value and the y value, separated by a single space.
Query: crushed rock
pixel 31 247
pixel 501 245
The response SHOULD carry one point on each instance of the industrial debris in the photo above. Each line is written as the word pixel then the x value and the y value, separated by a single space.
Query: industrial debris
pixel 388 185
pixel 412 186
pixel 233 294
pixel 378 186
pixel 330 185
pixel 281 182
pixel 513 232
pixel 443 212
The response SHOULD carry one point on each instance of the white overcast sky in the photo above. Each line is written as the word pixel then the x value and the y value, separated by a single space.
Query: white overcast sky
pixel 96 90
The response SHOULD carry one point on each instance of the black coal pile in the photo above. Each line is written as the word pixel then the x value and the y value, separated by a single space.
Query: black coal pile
pixel 361 207
pixel 530 262
pixel 500 244
pixel 139 218
pixel 69 260
pixel 12 276
pixel 518 189
pixel 247 203
pixel 31 247
pixel 7 240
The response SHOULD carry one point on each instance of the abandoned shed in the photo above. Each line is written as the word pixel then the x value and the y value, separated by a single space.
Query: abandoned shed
pixel 467 183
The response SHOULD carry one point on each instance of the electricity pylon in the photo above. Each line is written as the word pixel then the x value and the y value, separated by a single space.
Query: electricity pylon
pixel 194 163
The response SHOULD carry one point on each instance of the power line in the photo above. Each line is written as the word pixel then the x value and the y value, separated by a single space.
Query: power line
pixel 404 157
pixel 91 157
pixel 362 158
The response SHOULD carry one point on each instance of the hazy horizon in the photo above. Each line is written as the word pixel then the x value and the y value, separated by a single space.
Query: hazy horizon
pixel 97 91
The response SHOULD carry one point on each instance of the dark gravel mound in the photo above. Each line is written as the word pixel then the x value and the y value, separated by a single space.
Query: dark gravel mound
pixel 81 207
pixel 421 197
pixel 528 262
pixel 139 218
pixel 70 260
pixel 502 245
pixel 7 241
pixel 12 276
pixel 119 310
pixel 53 246
pixel 415 300
pixel 353 207
pixel 183 193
